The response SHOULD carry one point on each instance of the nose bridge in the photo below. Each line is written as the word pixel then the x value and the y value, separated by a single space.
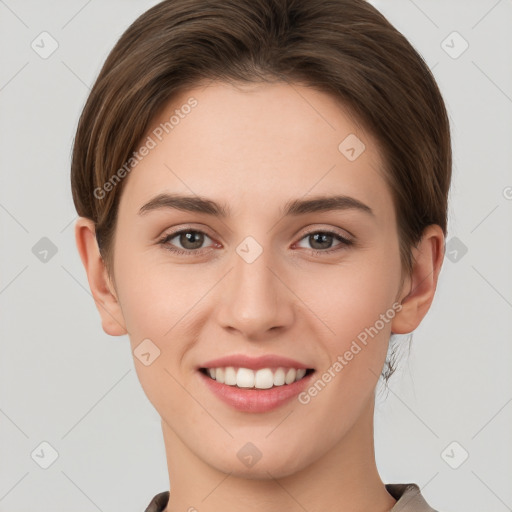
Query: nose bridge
pixel 252 300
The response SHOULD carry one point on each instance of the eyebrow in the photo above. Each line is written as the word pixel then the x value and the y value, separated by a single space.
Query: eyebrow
pixel 293 207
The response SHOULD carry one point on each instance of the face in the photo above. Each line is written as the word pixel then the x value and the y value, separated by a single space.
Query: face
pixel 287 272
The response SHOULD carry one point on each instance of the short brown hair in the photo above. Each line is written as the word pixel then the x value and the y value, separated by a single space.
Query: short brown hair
pixel 346 48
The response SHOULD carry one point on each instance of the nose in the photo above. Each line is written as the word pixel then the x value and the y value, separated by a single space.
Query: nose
pixel 254 298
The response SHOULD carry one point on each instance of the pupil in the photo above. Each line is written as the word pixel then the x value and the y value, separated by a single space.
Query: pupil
pixel 191 237
pixel 323 236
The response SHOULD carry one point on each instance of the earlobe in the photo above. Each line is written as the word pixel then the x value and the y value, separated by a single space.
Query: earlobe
pixel 101 288
pixel 421 285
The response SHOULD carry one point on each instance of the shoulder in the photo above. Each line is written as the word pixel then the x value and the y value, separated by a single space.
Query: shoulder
pixel 158 503
pixel 409 498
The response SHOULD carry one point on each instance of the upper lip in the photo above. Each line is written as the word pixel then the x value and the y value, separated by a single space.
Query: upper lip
pixel 254 363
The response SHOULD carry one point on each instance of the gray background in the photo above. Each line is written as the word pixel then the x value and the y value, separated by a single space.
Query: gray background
pixel 64 382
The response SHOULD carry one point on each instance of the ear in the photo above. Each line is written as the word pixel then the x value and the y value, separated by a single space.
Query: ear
pixel 419 288
pixel 100 284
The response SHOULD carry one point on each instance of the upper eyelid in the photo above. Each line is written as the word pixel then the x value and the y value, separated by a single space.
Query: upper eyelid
pixel 206 231
pixel 185 229
pixel 334 231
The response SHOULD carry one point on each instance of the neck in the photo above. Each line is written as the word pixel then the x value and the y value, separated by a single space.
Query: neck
pixel 343 479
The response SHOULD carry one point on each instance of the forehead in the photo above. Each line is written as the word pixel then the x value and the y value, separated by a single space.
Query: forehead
pixel 256 145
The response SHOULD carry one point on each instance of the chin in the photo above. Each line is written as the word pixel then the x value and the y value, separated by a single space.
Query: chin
pixel 250 463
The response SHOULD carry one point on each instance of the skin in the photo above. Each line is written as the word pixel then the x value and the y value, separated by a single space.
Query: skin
pixel 254 148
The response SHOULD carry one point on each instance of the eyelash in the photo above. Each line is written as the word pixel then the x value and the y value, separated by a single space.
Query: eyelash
pixel 344 242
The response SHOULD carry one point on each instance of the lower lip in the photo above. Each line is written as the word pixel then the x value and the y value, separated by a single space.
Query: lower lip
pixel 256 400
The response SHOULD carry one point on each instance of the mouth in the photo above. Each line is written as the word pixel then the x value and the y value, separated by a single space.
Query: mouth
pixel 263 378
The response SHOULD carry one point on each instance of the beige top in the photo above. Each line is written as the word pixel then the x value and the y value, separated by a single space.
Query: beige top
pixel 408 496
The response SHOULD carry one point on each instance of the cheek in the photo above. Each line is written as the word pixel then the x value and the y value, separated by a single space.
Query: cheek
pixel 356 303
pixel 157 303
pixel 352 297
pixel 155 296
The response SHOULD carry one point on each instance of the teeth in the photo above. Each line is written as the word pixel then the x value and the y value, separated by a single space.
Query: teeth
pixel 279 377
pixel 264 378
pixel 300 373
pixel 244 378
pixel 219 375
pixel 290 376
pixel 230 377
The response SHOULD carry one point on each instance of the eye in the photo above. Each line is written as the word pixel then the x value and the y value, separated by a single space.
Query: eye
pixel 190 240
pixel 321 241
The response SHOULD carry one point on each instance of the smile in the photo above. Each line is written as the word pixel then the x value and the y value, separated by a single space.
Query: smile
pixel 246 392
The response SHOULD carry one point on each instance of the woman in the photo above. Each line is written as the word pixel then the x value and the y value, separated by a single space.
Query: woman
pixel 262 189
